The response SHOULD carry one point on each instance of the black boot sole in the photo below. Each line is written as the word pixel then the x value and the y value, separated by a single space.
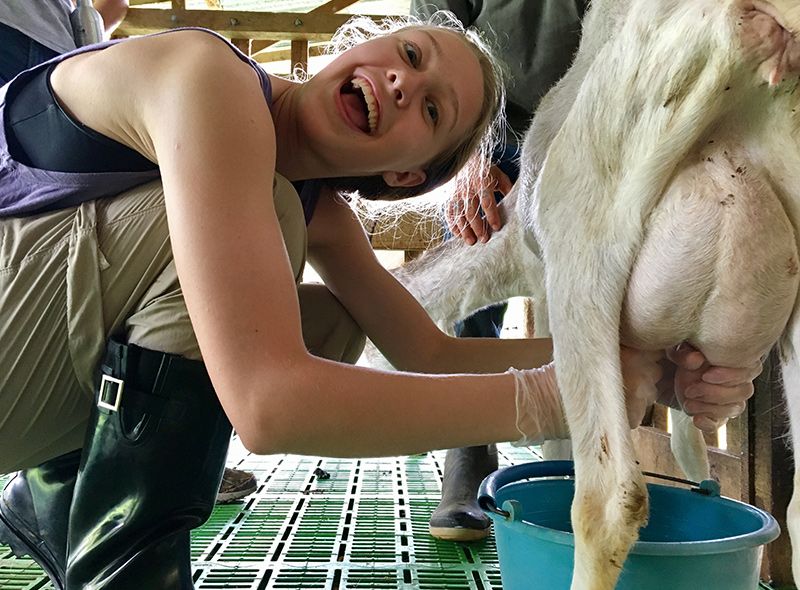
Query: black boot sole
pixel 21 546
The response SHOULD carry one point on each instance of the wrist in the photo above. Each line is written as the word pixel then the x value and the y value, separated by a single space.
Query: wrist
pixel 540 413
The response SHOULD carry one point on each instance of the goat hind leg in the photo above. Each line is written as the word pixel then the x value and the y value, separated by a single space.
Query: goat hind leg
pixel 610 496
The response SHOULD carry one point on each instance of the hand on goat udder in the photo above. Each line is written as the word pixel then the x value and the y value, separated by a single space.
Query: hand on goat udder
pixel 711 395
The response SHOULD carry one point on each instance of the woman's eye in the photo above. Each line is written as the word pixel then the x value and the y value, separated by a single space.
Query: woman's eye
pixel 412 54
pixel 433 111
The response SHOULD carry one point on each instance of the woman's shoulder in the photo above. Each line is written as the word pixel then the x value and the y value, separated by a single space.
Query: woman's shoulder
pixel 195 38
pixel 197 60
pixel 187 36
pixel 157 79
pixel 209 50
pixel 188 45
pixel 176 48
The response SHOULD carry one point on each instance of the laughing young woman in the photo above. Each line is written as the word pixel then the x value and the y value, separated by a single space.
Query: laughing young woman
pixel 149 221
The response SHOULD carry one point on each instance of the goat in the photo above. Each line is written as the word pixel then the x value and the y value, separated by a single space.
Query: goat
pixel 658 203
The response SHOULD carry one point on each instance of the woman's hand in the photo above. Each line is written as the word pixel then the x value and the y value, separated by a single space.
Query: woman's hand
pixel 540 414
pixel 463 209
pixel 711 395
pixel 682 379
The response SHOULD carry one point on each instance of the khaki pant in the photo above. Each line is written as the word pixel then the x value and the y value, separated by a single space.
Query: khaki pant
pixel 70 279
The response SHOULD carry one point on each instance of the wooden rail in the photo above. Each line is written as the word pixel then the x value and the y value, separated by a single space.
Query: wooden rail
pixel 252 32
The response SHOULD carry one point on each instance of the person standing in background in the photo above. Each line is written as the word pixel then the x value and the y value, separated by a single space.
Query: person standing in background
pixel 33 32
pixel 536 42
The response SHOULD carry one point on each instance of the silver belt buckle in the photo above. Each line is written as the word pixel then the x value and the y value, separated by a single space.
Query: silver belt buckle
pixel 110 393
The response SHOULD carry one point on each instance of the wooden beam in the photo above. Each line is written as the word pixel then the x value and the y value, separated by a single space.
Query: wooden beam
pixel 771 466
pixel 270 55
pixel 235 24
pixel 262 44
pixel 331 7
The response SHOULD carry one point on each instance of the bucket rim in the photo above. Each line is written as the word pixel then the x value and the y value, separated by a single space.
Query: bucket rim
pixel 767 532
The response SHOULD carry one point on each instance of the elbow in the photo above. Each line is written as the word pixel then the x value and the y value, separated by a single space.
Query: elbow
pixel 265 435
pixel 259 443
pixel 270 420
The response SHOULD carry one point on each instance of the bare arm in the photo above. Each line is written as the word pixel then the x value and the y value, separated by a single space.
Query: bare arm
pixel 112 11
pixel 390 316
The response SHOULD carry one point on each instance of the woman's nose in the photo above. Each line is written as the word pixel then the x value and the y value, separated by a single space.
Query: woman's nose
pixel 403 86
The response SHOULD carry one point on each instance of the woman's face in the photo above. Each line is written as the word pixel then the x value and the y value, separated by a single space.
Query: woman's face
pixel 392 104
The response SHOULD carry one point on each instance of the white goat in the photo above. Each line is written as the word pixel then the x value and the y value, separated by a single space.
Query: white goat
pixel 662 179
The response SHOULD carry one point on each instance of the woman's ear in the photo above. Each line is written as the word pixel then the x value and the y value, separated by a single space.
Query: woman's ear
pixel 406 179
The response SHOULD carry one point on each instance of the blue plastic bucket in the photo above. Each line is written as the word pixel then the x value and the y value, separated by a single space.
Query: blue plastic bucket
pixel 694 538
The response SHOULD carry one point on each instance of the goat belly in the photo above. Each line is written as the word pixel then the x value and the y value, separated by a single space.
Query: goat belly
pixel 719 263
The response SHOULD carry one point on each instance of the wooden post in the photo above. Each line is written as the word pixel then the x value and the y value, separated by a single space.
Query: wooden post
pixel 243 45
pixel 771 466
pixel 300 57
pixel 738 445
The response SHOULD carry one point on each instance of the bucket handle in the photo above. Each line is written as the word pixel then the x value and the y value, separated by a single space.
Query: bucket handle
pixel 507 475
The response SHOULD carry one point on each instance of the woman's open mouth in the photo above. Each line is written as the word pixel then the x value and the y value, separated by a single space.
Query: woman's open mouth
pixel 360 104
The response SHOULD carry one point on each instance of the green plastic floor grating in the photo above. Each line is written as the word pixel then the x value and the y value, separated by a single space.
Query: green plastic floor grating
pixel 364 527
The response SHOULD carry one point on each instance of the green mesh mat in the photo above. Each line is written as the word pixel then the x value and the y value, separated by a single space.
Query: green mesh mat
pixel 365 527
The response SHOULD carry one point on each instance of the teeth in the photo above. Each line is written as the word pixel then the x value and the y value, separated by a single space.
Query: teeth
pixel 369 98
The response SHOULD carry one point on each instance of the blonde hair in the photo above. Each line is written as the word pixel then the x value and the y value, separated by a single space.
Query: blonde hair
pixel 470 157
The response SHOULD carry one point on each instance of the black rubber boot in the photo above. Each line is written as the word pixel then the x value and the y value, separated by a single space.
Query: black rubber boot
pixel 150 470
pixel 34 513
pixel 458 516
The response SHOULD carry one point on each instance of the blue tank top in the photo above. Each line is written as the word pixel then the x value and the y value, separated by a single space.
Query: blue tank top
pixel 25 190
